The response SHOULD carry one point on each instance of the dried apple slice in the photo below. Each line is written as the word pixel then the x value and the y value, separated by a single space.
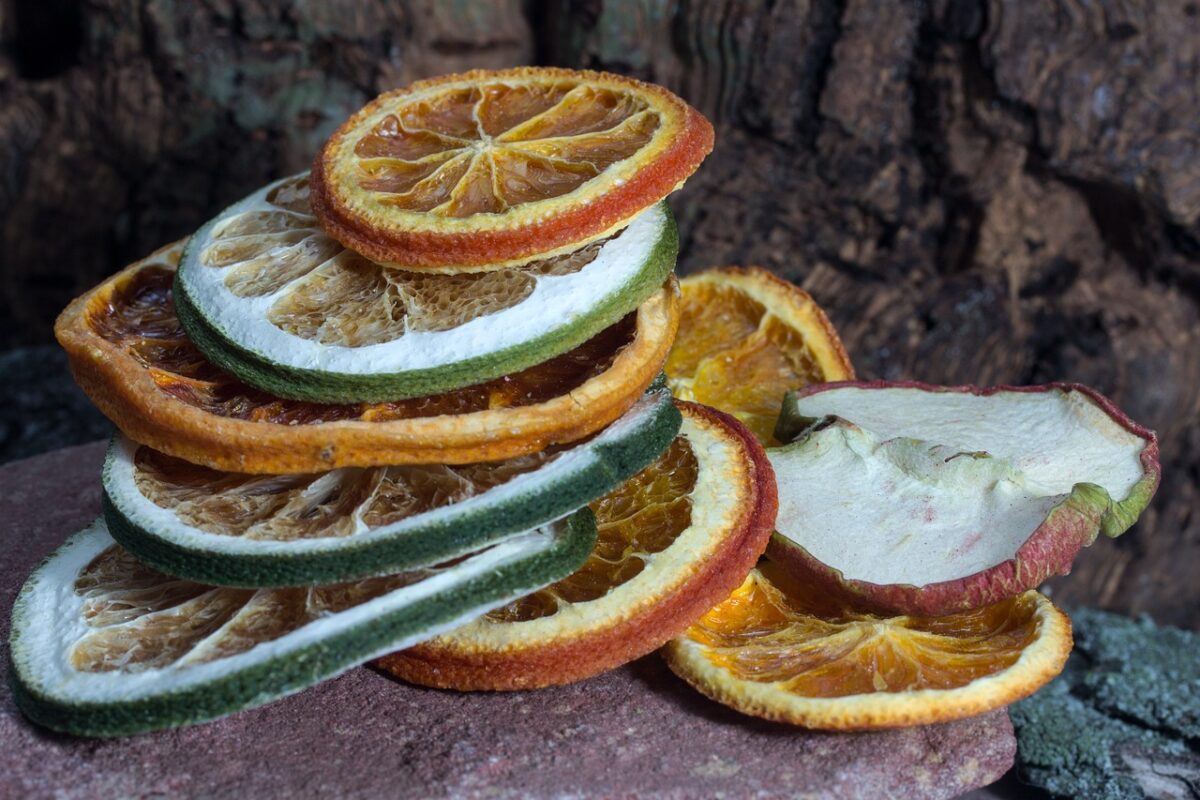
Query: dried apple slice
pixel 930 500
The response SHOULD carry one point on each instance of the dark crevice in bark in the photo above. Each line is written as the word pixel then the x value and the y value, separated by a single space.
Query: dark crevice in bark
pixel 825 22
pixel 48 37
pixel 959 234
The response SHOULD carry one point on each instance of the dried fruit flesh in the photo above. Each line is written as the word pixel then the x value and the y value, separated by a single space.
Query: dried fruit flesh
pixel 264 294
pixel 672 541
pixel 132 357
pixel 746 338
pixel 638 519
pixel 140 319
pixel 244 530
pixel 102 645
pixel 928 500
pixel 489 168
pixel 788 650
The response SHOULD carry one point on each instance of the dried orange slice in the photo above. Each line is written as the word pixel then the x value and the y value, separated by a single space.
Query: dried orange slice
pixel 491 168
pixel 745 338
pixel 672 541
pixel 130 355
pixel 786 650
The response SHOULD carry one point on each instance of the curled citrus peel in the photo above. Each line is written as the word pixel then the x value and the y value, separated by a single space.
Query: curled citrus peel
pixel 487 169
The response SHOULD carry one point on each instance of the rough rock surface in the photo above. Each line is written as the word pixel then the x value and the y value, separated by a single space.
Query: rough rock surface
pixel 635 731
pixel 979 191
pixel 1123 720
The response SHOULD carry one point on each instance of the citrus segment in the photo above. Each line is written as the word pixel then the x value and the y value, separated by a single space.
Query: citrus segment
pixel 491 168
pixel 264 293
pixel 672 541
pixel 745 338
pixel 788 651
pixel 130 354
pixel 102 645
pixel 234 529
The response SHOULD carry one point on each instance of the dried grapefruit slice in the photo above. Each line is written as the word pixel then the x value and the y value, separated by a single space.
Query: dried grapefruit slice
pixel 785 650
pixel 130 355
pixel 492 168
pixel 234 529
pixel 745 338
pixel 265 294
pixel 672 541
pixel 102 645
pixel 926 499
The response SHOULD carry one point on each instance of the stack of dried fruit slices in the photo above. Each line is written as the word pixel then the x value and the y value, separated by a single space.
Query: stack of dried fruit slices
pixel 366 405
pixel 411 407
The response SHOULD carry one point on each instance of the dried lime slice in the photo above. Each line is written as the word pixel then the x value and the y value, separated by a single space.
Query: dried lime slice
pixel 234 529
pixel 102 645
pixel 267 295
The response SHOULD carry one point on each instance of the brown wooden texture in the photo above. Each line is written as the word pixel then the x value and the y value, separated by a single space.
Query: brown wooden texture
pixel 981 192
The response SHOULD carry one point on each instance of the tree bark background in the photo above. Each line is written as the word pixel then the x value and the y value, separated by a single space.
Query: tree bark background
pixel 978 192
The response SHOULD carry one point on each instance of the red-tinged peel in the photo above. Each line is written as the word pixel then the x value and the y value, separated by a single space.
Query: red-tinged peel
pixel 884 499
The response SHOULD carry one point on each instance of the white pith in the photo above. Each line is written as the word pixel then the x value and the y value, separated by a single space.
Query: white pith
pixel 716 507
pixel 47 622
pixel 554 304
pixel 163 523
pixel 923 487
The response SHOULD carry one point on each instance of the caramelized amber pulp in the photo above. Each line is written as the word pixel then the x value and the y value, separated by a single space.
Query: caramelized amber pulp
pixel 139 316
pixel 641 517
pixel 732 353
pixel 777 630
pixel 486 149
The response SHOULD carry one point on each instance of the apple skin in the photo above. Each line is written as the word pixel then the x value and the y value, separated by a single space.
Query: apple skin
pixel 1050 550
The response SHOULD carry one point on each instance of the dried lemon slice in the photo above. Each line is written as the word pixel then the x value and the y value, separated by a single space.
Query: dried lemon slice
pixel 131 356
pixel 233 529
pixel 745 338
pixel 265 294
pixel 788 651
pixel 671 542
pixel 102 645
pixel 491 168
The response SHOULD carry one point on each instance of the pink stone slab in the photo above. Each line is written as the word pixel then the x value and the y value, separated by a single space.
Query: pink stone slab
pixel 636 731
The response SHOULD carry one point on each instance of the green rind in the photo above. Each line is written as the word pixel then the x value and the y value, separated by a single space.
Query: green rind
pixel 439 541
pixel 339 387
pixel 277 677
